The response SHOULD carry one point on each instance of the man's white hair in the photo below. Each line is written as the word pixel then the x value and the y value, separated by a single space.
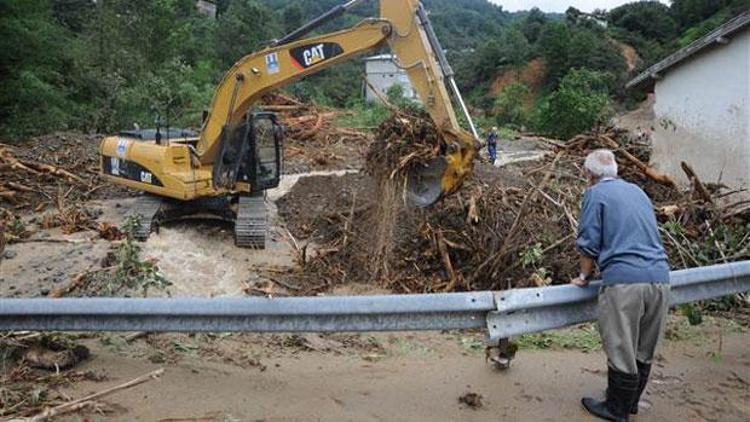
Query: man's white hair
pixel 601 163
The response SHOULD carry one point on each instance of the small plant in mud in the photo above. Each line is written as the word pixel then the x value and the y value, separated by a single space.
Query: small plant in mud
pixel 131 271
pixel 16 228
pixel 124 270
pixel 532 258
pixel 693 313
pixel 532 255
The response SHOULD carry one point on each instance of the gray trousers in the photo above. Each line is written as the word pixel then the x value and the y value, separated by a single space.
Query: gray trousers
pixel 631 321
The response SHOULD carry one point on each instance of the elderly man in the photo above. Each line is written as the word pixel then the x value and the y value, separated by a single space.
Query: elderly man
pixel 618 230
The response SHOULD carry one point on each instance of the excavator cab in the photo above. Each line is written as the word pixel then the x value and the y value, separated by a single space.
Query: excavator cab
pixel 265 158
pixel 250 154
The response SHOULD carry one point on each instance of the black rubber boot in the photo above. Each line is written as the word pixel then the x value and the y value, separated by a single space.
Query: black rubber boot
pixel 644 371
pixel 621 391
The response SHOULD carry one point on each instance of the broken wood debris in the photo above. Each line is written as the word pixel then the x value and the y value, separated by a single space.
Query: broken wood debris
pixel 493 234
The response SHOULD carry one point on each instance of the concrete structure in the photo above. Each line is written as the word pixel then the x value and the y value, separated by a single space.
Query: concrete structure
pixel 382 73
pixel 702 106
pixel 207 8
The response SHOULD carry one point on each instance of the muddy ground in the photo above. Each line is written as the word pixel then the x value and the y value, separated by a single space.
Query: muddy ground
pixel 399 377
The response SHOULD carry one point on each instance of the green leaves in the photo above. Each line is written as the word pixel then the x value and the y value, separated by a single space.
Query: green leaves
pixel 576 106
pixel 245 27
pixel 510 105
pixel 131 271
pixel 565 47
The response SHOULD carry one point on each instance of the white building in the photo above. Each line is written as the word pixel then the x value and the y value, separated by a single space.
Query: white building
pixel 206 7
pixel 382 73
pixel 702 106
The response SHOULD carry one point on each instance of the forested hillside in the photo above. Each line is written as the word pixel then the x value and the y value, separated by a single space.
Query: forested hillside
pixel 100 66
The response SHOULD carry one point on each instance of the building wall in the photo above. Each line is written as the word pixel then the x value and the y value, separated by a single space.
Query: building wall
pixel 207 8
pixel 702 112
pixel 382 74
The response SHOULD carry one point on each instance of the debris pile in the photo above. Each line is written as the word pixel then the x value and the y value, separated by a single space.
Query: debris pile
pixel 312 140
pixel 50 171
pixel 493 234
pixel 402 141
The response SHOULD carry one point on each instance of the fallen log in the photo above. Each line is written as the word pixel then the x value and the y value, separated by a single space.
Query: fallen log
pixel 651 172
pixel 698 186
pixel 295 121
pixel 445 257
pixel 313 131
pixel 281 108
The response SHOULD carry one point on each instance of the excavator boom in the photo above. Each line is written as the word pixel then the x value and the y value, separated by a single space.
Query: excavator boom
pixel 405 27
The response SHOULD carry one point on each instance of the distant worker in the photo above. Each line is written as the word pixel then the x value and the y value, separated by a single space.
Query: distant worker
pixel 492 144
pixel 618 230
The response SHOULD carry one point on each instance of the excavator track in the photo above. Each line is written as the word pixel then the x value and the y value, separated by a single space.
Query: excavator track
pixel 146 210
pixel 251 224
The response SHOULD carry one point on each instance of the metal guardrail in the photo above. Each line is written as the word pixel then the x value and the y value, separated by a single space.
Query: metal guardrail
pixel 503 314
pixel 254 314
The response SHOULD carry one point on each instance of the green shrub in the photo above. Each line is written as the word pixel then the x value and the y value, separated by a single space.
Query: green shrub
pixel 580 103
pixel 510 106
pixel 363 115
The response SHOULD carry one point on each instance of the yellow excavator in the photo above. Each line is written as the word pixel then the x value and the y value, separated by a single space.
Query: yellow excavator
pixel 225 169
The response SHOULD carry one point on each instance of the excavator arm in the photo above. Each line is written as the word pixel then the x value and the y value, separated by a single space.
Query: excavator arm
pixel 404 26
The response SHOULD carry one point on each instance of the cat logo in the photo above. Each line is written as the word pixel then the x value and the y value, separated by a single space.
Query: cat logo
pixel 309 55
pixel 313 55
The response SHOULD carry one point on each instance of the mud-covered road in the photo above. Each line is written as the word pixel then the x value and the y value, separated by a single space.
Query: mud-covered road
pixel 411 377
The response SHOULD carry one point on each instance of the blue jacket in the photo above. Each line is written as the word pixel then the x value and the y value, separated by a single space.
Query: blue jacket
pixel 492 139
pixel 618 228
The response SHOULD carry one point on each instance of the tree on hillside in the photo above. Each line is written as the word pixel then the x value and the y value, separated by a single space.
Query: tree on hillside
pixel 488 59
pixel 514 48
pixel 691 12
pixel 245 27
pixel 594 50
pixel 564 47
pixel 532 24
pixel 292 18
pixel 73 14
pixel 553 45
pixel 576 106
pixel 33 59
pixel 510 107
pixel 650 19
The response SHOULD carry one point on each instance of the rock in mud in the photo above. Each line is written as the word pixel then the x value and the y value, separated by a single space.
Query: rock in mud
pixel 471 400
pixel 53 357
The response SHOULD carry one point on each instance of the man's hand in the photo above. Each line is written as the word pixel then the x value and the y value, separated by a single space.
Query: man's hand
pixel 579 282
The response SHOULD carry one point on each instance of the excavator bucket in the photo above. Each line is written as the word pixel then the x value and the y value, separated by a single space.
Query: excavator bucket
pixel 424 184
